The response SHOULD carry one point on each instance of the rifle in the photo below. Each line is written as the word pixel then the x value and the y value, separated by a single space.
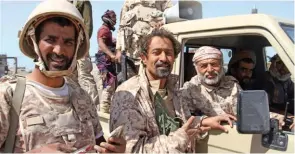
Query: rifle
pixel 121 68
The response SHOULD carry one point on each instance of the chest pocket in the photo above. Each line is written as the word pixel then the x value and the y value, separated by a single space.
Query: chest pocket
pixel 66 124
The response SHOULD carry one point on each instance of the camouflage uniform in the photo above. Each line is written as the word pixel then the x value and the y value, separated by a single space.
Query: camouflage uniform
pixel 137 19
pixel 67 117
pixel 82 74
pixel 210 100
pixel 133 106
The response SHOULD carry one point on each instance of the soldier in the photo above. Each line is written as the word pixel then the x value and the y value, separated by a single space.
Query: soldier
pixel 241 66
pixel 279 86
pixel 82 74
pixel 210 92
pixel 155 120
pixel 54 113
pixel 106 58
pixel 137 19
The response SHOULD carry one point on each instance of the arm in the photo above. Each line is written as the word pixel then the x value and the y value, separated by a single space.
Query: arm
pixel 126 111
pixel 101 35
pixel 98 132
pixel 120 33
pixel 87 15
pixel 5 105
pixel 232 104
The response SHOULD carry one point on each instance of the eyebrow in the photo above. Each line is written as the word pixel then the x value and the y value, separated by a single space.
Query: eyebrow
pixel 165 49
pixel 65 39
pixel 247 68
pixel 69 39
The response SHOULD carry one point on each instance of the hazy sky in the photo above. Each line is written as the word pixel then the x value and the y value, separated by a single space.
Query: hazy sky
pixel 13 15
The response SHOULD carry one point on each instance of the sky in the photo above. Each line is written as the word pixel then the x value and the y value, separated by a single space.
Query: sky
pixel 14 13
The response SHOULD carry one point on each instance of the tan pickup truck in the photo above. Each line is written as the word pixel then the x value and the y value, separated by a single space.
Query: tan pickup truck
pixel 258 32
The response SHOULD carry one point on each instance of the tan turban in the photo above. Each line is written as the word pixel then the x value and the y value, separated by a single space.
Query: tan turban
pixel 242 55
pixel 207 52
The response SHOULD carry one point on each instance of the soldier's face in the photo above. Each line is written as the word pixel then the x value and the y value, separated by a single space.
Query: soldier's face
pixel 244 72
pixel 281 67
pixel 57 46
pixel 210 71
pixel 160 58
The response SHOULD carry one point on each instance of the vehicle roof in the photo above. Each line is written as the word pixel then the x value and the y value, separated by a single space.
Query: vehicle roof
pixel 260 20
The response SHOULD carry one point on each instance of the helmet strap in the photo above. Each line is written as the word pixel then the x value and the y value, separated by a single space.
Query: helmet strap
pixel 40 62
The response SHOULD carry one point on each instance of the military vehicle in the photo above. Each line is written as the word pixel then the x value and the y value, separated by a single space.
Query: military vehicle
pixel 258 32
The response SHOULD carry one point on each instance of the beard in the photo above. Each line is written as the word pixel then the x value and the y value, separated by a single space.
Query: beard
pixel 276 74
pixel 163 69
pixel 245 80
pixel 57 62
pixel 210 82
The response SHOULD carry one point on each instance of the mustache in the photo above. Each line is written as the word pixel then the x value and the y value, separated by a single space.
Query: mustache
pixel 160 64
pixel 52 56
pixel 215 73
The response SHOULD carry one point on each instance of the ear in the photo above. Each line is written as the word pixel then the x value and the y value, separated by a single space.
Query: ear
pixel 143 58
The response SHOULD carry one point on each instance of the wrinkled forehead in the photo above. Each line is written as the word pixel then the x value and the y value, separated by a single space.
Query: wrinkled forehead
pixel 209 61
pixel 158 42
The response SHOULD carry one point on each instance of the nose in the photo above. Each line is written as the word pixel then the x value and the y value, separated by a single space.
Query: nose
pixel 248 73
pixel 210 68
pixel 57 49
pixel 163 56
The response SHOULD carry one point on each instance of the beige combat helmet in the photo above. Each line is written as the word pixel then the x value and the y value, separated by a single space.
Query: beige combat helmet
pixel 45 10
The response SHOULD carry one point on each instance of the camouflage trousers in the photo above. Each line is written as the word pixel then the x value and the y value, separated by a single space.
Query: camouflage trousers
pixel 82 76
pixel 106 94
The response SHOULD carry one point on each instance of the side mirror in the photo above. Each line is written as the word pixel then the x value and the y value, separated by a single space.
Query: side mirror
pixel 253 112
pixel 253 118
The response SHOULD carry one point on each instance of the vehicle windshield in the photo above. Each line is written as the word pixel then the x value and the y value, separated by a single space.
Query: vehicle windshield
pixel 289 30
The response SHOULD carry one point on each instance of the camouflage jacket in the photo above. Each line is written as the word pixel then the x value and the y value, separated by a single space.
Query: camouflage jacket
pixel 49 117
pixel 133 107
pixel 211 101
pixel 137 19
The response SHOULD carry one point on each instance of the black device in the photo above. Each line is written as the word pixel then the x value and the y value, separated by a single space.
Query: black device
pixel 275 139
pixel 288 121
pixel 253 112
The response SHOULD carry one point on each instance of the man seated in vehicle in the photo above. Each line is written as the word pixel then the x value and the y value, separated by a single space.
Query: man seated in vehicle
pixel 279 86
pixel 241 66
pixel 210 92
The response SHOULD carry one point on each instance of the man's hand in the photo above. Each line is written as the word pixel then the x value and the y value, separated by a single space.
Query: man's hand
pixel 193 131
pixel 54 148
pixel 214 122
pixel 282 122
pixel 113 58
pixel 113 145
pixel 118 57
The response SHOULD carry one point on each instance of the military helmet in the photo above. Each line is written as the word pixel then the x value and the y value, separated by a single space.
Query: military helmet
pixel 51 8
pixel 45 10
